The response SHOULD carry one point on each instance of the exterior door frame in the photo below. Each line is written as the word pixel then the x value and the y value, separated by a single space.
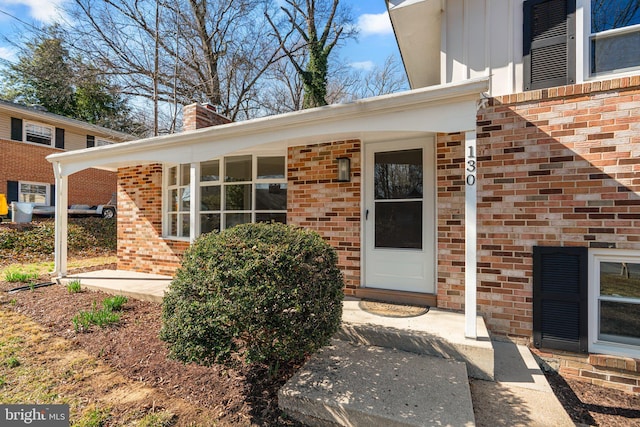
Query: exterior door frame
pixel 428 143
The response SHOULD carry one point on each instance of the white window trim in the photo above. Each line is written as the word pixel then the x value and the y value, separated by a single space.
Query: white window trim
pixel 30 122
pixel 595 344
pixel 196 185
pixel 47 194
pixel 583 46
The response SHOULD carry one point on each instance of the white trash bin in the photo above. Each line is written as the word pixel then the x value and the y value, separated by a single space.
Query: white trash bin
pixel 21 212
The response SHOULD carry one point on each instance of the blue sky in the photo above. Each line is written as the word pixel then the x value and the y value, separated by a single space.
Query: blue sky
pixel 375 43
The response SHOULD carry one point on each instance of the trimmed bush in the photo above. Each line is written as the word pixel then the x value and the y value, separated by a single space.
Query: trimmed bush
pixel 255 293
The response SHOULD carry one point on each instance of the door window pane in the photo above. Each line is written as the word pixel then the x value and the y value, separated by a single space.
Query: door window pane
pixel 210 198
pixel 210 171
pixel 238 197
pixel 271 197
pixel 185 223
pixel 271 167
pixel 398 225
pixel 185 199
pixel 398 175
pixel 237 168
pixel 173 175
pixel 185 174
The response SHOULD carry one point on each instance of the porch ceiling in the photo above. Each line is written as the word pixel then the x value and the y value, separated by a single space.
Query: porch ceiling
pixel 442 108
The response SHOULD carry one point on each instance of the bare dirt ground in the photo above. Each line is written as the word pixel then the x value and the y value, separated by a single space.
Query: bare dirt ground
pixel 125 373
pixel 133 350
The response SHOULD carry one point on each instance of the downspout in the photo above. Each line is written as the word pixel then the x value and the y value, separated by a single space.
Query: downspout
pixel 61 221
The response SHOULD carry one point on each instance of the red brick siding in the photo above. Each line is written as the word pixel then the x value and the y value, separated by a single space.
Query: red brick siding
pixel 26 162
pixel 555 167
pixel 621 373
pixel 316 200
pixel 140 243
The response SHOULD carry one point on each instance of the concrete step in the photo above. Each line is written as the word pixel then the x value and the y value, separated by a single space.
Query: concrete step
pixel 436 333
pixel 351 385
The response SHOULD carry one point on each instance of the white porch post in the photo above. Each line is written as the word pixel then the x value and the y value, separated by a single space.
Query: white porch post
pixel 194 224
pixel 61 221
pixel 470 247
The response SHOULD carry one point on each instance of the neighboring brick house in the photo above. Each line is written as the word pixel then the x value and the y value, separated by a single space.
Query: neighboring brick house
pixel 29 135
pixel 505 182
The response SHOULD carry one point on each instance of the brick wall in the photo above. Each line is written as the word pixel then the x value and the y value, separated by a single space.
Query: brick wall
pixel 140 243
pixel 316 200
pixel 26 162
pixel 622 373
pixel 556 167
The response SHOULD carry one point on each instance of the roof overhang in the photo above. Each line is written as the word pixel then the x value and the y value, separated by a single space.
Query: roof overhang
pixel 445 108
pixel 417 25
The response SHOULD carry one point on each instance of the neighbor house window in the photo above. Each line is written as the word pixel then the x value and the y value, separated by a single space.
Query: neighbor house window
pixel 614 303
pixel 39 133
pixel 233 190
pixel 33 192
pixel 614 40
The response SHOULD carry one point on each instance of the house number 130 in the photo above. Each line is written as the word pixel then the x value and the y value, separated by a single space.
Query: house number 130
pixel 471 166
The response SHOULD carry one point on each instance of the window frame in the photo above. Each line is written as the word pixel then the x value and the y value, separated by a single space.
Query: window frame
pixel 583 44
pixel 26 123
pixel 47 195
pixel 597 345
pixel 223 185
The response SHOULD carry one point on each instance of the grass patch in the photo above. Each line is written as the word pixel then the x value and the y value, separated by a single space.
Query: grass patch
pixel 12 362
pixel 14 276
pixel 114 303
pixel 46 267
pixel 103 317
pixel 157 419
pixel 74 286
pixel 93 417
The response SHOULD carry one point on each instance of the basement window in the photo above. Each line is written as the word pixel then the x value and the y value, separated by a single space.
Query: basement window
pixel 33 192
pixel 614 302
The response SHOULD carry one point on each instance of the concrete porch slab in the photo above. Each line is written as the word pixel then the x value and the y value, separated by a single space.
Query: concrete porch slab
pixel 142 286
pixel 352 385
pixel 436 333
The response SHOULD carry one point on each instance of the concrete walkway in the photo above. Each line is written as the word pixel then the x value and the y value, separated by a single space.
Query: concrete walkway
pixel 143 286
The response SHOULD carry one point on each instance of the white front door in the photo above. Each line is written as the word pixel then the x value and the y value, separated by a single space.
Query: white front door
pixel 399 202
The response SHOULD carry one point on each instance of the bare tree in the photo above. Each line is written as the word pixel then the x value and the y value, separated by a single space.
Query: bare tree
pixel 315 26
pixel 175 53
pixel 388 78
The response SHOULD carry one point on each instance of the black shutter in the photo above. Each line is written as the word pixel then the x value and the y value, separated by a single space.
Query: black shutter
pixel 549 43
pixel 91 141
pixel 560 289
pixel 12 191
pixel 16 129
pixel 60 138
pixel 52 195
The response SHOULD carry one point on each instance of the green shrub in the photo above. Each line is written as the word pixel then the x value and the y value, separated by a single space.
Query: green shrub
pixel 254 293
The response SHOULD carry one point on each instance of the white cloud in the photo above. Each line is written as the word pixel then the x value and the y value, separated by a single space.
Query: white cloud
pixel 7 53
pixel 375 24
pixel 45 11
pixel 363 65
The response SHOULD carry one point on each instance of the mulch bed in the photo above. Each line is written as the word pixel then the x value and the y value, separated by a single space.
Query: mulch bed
pixel 240 397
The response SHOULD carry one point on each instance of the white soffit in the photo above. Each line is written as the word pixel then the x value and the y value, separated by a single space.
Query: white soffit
pixel 417 26
pixel 443 108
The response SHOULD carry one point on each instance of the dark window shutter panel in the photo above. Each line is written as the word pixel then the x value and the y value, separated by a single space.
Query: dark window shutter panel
pixel 560 289
pixel 12 191
pixel 60 138
pixel 91 141
pixel 549 43
pixel 16 129
pixel 52 195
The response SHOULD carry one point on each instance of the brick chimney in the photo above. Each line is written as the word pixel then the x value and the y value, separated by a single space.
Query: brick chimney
pixel 198 116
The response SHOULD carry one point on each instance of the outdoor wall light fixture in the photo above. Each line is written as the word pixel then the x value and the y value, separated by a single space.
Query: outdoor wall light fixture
pixel 344 169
